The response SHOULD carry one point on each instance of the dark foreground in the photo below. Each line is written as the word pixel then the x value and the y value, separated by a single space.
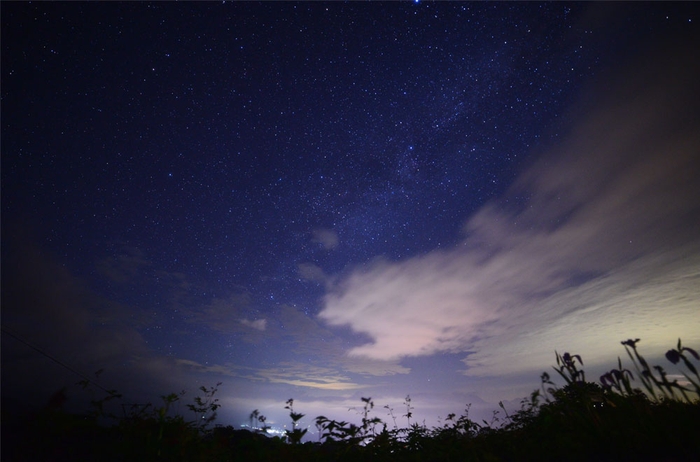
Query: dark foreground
pixel 626 416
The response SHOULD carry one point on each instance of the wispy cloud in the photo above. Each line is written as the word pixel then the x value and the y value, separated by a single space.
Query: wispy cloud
pixel 234 315
pixel 308 337
pixel 284 372
pixel 305 375
pixel 125 266
pixel 328 238
pixel 258 324
pixel 227 369
pixel 595 241
pixel 73 331
pixel 312 272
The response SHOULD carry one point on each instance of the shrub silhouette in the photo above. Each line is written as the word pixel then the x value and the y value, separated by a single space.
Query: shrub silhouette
pixel 639 414
pixel 294 435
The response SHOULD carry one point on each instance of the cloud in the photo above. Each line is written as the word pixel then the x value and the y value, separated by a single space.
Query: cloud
pixel 285 372
pixel 418 307
pixel 307 337
pixel 326 237
pixel 124 267
pixel 50 306
pixel 324 367
pixel 312 273
pixel 377 368
pixel 73 331
pixel 596 241
pixel 653 298
pixel 303 375
pixel 227 369
pixel 259 324
pixel 232 315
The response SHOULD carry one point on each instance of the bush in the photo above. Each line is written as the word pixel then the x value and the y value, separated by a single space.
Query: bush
pixel 580 421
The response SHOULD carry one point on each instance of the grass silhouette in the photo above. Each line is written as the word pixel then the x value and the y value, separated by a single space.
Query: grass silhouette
pixel 611 419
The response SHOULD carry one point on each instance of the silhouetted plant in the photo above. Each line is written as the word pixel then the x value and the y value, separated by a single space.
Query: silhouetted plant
pixel 369 425
pixel 567 368
pixel 295 435
pixel 527 412
pixel 256 419
pixel 617 380
pixel 674 356
pixel 660 387
pixel 391 413
pixel 547 386
pixel 98 404
pixel 205 407
pixel 331 429
pixel 609 420
pixel 409 409
pixel 265 427
pixel 459 427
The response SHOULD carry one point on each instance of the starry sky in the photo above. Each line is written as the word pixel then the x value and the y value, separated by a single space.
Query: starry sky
pixel 327 201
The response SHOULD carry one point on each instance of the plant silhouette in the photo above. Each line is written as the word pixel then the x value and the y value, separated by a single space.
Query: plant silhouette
pixel 641 413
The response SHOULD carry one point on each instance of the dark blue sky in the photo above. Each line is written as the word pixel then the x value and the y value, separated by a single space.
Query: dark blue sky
pixel 333 200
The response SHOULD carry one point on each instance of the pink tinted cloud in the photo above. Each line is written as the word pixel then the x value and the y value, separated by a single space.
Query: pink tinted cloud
pixel 587 228
pixel 414 308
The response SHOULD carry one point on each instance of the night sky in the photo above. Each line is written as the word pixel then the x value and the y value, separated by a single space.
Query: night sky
pixel 329 201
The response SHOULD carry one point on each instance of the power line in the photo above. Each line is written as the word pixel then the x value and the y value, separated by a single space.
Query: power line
pixel 16 336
